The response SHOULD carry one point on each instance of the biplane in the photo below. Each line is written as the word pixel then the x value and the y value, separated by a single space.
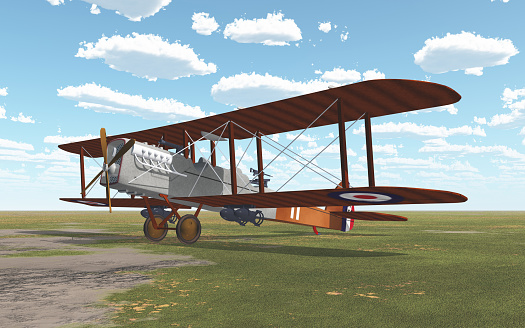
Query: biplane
pixel 158 171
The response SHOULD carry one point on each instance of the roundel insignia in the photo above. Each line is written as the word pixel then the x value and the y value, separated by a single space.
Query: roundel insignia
pixel 367 197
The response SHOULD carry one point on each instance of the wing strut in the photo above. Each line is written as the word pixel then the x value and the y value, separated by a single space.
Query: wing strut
pixel 233 169
pixel 342 145
pixel 369 152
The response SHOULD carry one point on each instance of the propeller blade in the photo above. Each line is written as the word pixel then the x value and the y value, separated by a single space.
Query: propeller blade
pixel 108 195
pixel 94 179
pixel 104 144
pixel 122 151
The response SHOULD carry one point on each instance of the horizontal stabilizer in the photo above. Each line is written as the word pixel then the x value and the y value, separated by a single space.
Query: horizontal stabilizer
pixel 370 216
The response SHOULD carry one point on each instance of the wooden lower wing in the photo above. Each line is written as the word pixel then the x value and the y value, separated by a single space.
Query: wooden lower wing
pixel 332 197
pixel 369 216
pixel 119 202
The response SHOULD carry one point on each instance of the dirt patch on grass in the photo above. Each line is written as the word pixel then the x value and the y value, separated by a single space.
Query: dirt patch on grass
pixel 59 290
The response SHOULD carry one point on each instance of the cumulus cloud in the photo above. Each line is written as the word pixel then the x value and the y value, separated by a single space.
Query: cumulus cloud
pixel 332 149
pixel 373 75
pixel 412 163
pixel 449 108
pixel 341 75
pixel 442 146
pixel 94 9
pixel 387 149
pixel 522 133
pixel 302 137
pixel 56 2
pixel 3 91
pixel 325 27
pixel 2 113
pixel 271 31
pixel 344 36
pixel 464 51
pixel 147 56
pixel 480 120
pixel 204 24
pixel 4 143
pixel 22 119
pixel 392 130
pixel 252 89
pixel 515 101
pixel 103 99
pixel 20 155
pixel 133 10
pixel 58 139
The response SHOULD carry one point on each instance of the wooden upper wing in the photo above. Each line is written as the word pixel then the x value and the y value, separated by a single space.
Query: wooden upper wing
pixel 376 97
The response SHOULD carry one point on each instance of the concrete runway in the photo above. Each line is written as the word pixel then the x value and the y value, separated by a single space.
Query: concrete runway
pixel 59 290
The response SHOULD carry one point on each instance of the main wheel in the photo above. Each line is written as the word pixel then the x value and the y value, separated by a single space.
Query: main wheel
pixel 155 234
pixel 188 229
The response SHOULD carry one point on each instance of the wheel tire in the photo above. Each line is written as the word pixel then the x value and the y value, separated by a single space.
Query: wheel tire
pixel 153 234
pixel 188 229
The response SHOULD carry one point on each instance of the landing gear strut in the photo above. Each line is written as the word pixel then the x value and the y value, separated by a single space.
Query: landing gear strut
pixel 188 227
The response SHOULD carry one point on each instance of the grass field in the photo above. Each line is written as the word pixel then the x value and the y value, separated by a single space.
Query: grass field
pixel 439 269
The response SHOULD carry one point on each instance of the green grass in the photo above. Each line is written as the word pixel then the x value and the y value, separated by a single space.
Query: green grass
pixel 380 274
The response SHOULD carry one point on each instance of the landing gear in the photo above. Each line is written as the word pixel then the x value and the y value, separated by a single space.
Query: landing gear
pixel 153 234
pixel 188 229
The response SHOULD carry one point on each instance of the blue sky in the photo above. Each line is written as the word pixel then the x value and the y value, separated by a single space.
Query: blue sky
pixel 68 68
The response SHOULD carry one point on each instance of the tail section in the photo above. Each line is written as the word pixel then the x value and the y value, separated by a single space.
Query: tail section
pixel 315 217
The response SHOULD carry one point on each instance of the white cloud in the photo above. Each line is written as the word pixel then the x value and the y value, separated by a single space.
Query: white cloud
pixel 522 133
pixel 465 51
pixel 373 75
pixel 204 24
pixel 411 163
pixel 62 139
pixel 22 156
pixel 56 2
pixel 270 31
pixel 12 175
pixel 269 156
pixel 22 119
pixel 387 149
pixel 3 91
pixel 504 1
pixel 147 56
pixel 94 9
pixel 449 108
pixel 103 99
pixel 330 135
pixel 4 143
pixel 344 36
pixel 133 10
pixel 391 129
pixel 2 113
pixel 239 153
pixel 480 120
pixel 341 75
pixel 302 137
pixel 332 149
pixel 253 89
pixel 513 101
pixel 442 146
pixel 325 27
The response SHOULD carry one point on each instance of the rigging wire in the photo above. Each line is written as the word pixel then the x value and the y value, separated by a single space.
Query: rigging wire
pixel 319 153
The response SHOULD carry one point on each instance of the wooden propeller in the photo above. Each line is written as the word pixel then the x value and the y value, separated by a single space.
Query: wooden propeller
pixel 122 151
